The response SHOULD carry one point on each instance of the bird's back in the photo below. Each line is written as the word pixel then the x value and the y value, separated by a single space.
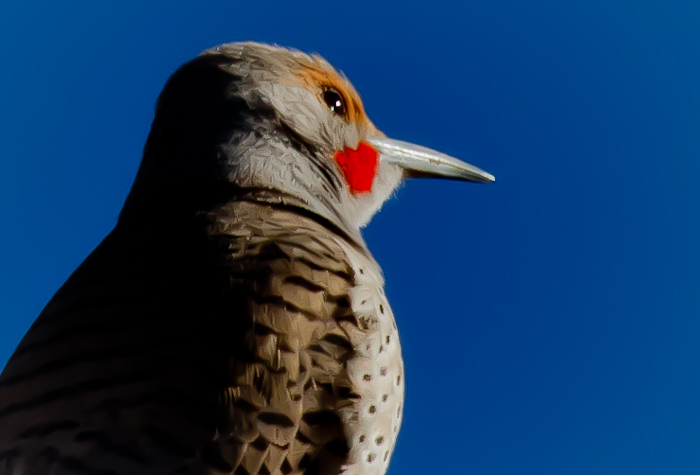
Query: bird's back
pixel 254 341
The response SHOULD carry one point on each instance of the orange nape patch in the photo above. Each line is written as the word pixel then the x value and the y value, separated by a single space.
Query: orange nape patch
pixel 359 166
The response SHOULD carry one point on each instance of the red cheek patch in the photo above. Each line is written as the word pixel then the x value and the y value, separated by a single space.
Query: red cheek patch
pixel 359 167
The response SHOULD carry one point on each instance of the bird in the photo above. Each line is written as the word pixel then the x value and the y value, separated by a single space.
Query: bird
pixel 234 320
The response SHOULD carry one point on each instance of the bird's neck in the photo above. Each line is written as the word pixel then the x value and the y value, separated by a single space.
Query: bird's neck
pixel 269 171
pixel 276 170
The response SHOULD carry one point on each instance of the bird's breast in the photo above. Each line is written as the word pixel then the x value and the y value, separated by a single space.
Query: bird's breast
pixel 375 370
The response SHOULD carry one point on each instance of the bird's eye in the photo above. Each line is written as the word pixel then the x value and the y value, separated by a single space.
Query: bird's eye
pixel 335 102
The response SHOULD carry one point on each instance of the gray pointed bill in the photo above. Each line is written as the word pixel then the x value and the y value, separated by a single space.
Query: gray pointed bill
pixel 424 162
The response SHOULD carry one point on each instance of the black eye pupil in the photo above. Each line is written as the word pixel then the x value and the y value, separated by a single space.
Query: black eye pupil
pixel 334 102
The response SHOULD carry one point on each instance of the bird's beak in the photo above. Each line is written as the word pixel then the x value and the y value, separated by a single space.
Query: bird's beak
pixel 420 161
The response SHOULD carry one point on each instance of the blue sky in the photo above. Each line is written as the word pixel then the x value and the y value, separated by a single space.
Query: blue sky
pixel 550 321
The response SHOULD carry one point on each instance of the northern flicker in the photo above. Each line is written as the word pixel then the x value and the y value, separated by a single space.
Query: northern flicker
pixel 234 321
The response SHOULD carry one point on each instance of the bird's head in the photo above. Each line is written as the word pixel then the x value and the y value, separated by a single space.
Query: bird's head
pixel 284 127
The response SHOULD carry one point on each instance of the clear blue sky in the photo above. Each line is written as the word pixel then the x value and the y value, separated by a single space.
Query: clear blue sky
pixel 551 320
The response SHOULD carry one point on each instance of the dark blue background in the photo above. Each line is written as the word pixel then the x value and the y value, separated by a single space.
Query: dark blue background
pixel 550 320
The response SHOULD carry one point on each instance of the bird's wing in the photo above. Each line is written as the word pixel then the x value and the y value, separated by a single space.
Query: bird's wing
pixel 288 386
pixel 214 353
